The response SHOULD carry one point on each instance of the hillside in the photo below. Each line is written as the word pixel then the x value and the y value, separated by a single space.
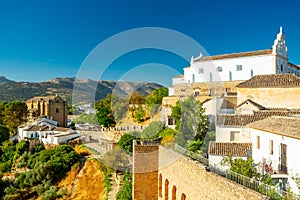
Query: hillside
pixel 11 90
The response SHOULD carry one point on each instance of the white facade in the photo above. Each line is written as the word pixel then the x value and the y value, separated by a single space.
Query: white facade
pixel 233 134
pixel 264 152
pixel 47 135
pixel 240 66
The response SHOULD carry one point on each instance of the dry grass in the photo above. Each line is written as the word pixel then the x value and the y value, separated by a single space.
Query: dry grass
pixel 81 150
pixel 68 181
pixel 90 183
pixel 86 184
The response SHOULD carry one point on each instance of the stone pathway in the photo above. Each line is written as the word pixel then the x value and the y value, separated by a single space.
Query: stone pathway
pixel 114 189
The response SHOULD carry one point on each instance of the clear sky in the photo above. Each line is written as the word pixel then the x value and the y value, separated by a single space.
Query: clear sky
pixel 41 40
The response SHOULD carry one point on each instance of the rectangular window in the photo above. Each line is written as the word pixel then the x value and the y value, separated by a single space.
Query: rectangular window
pixel 239 67
pixel 228 89
pixel 201 70
pixel 271 146
pixel 234 135
pixel 197 93
pixel 258 142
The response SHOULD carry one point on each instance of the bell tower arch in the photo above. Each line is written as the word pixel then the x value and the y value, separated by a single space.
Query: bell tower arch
pixel 280 51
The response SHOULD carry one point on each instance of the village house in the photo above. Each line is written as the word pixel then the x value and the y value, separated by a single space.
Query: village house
pixel 275 141
pixel 47 134
pixel 219 150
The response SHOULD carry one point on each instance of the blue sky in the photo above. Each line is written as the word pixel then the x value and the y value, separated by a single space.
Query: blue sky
pixel 41 40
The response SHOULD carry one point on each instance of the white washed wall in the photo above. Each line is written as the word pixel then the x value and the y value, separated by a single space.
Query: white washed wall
pixel 223 134
pixel 293 148
pixel 264 64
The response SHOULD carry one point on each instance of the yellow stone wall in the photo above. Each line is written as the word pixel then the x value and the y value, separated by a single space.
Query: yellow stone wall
pixel 191 178
pixel 49 108
pixel 271 97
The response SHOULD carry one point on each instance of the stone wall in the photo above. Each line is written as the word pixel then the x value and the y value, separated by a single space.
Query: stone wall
pixel 145 171
pixel 179 176
pixel 271 97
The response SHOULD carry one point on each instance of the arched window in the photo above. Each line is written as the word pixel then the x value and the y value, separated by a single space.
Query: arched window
pixel 57 110
pixel 183 197
pixel 251 73
pixel 174 192
pixel 166 189
pixel 193 78
pixel 160 185
pixel 210 77
pixel 281 67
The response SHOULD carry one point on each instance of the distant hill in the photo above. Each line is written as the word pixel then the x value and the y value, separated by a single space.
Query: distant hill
pixel 11 90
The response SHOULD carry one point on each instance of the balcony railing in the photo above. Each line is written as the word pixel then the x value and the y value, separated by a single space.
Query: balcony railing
pixel 273 192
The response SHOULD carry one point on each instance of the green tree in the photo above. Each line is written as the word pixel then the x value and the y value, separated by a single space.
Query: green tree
pixel 4 133
pixel 126 141
pixel 119 106
pixel 14 114
pixel 176 114
pixel 152 130
pixel 117 159
pixel 154 100
pixel 104 112
pixel 241 166
pixel 191 122
pixel 139 114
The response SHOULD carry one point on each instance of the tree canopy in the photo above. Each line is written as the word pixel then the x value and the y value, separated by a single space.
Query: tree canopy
pixel 13 114
pixel 104 112
pixel 191 122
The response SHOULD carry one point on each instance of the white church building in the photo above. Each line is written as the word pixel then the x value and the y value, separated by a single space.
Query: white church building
pixel 239 66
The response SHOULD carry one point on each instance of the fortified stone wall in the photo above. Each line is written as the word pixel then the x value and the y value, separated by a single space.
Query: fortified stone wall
pixel 182 178
pixel 145 171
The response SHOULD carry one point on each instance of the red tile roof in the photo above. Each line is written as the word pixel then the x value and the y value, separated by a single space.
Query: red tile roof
pixel 229 148
pixel 244 120
pixel 271 80
pixel 286 126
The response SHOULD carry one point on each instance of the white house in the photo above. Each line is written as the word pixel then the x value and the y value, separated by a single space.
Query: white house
pixel 218 150
pixel 47 134
pixel 276 142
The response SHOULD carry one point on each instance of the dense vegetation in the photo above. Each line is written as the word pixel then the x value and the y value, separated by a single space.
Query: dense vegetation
pixel 12 115
pixel 126 190
pixel 194 130
pixel 113 108
pixel 30 174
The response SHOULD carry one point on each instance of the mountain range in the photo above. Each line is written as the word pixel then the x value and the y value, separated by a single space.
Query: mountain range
pixel 83 91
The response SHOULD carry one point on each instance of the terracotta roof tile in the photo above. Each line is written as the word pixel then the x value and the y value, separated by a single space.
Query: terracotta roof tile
pixel 271 80
pixel 235 55
pixel 229 148
pixel 244 120
pixel 38 128
pixel 286 126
